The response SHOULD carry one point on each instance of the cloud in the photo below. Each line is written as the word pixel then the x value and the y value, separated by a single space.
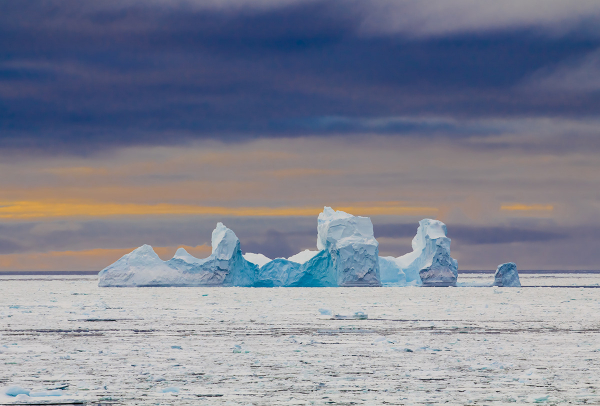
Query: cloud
pixel 442 17
pixel 527 207
pixel 576 75
pixel 503 235
pixel 84 260
pixel 57 209
pixel 8 246
pixel 117 74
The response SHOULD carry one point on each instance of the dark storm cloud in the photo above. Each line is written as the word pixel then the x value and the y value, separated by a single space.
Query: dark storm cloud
pixel 475 235
pixel 78 76
pixel 502 235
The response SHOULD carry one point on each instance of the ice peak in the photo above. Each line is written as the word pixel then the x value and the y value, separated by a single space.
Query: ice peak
pixel 224 242
pixel 180 253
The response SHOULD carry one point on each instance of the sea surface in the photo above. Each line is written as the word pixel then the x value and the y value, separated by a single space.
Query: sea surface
pixel 66 341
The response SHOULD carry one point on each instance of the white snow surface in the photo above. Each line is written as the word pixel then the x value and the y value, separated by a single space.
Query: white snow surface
pixel 243 346
pixel 343 229
pixel 257 259
pixel 303 256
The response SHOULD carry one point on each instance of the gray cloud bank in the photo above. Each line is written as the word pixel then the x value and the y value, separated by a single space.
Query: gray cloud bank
pixel 80 77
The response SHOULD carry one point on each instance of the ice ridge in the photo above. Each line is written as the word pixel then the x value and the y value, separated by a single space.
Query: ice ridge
pixel 224 267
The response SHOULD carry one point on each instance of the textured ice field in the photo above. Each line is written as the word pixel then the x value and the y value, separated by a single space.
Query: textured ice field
pixel 245 346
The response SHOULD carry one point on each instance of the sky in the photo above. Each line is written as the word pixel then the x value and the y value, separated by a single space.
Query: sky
pixel 132 122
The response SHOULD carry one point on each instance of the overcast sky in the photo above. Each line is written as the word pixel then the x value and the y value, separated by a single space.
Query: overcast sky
pixel 130 122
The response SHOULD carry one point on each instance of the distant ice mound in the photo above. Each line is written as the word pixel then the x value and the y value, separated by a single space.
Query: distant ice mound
pixel 352 247
pixel 430 262
pixel 507 276
pixel 390 273
pixel 257 259
pixel 303 256
pixel 224 267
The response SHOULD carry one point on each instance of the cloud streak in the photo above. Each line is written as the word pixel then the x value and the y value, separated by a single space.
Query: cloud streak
pixel 49 210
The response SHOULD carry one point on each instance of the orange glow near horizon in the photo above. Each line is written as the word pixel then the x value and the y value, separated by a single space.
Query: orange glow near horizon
pixel 97 258
pixel 23 210
pixel 525 207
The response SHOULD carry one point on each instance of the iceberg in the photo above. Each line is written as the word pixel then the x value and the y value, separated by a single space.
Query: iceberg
pixel 507 276
pixel 347 256
pixel 430 262
pixel 318 271
pixel 224 267
pixel 352 247
pixel 390 273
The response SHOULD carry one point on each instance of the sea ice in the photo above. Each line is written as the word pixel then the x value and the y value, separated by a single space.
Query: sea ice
pixel 430 262
pixel 16 390
pixel 224 267
pixel 507 276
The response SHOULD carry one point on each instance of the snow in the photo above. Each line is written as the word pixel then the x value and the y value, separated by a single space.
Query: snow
pixel 507 275
pixel 143 267
pixel 257 259
pixel 430 255
pixel 241 346
pixel 303 256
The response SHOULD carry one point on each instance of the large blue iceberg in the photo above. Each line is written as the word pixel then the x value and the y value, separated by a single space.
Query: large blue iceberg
pixel 429 264
pixel 347 256
pixel 224 267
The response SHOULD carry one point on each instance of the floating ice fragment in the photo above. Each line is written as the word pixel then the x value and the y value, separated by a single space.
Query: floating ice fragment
pixel 325 312
pixel 170 389
pixel 16 390
pixel 355 316
pixel 507 275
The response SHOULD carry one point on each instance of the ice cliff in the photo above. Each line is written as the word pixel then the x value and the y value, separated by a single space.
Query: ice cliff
pixel 224 267
pixel 390 273
pixel 348 255
pixel 352 247
pixel 430 262
pixel 507 276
